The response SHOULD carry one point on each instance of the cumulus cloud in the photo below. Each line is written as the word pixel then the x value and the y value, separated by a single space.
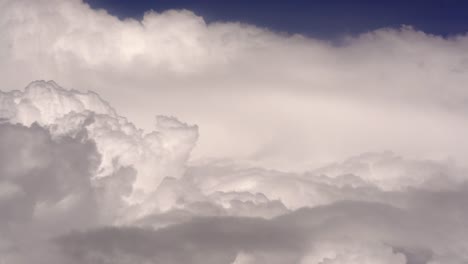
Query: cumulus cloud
pixel 279 95
pixel 150 157
pixel 310 152
pixel 62 202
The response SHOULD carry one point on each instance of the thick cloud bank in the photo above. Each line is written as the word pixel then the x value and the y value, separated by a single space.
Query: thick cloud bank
pixel 309 152
pixel 81 184
pixel 278 95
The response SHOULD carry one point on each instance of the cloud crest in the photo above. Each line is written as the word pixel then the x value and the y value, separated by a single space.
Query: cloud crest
pixel 121 146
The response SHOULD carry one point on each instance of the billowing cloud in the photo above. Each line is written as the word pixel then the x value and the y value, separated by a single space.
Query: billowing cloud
pixel 280 96
pixel 152 156
pixel 62 203
pixel 310 152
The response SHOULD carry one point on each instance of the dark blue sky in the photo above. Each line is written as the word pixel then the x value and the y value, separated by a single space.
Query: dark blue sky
pixel 325 19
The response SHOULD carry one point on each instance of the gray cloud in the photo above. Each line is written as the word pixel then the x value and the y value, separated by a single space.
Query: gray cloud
pixel 46 187
pixel 345 232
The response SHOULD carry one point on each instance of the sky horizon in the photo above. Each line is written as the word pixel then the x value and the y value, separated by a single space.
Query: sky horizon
pixel 320 19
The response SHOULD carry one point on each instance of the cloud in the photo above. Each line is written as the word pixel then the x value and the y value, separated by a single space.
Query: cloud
pixel 121 145
pixel 310 152
pixel 69 162
pixel 62 203
pixel 346 232
pixel 46 188
pixel 289 101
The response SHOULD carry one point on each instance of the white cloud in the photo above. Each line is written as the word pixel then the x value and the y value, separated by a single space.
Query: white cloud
pixel 154 156
pixel 279 116
pixel 82 167
pixel 289 101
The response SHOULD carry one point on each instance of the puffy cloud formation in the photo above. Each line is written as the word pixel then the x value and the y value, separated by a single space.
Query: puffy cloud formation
pixel 81 184
pixel 278 95
pixel 294 163
pixel 139 160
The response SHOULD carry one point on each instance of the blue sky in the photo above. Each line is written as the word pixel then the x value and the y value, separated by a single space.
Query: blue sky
pixel 325 19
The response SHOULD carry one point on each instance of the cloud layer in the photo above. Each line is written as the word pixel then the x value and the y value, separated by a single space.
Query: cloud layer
pixel 280 96
pixel 305 151
pixel 80 184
